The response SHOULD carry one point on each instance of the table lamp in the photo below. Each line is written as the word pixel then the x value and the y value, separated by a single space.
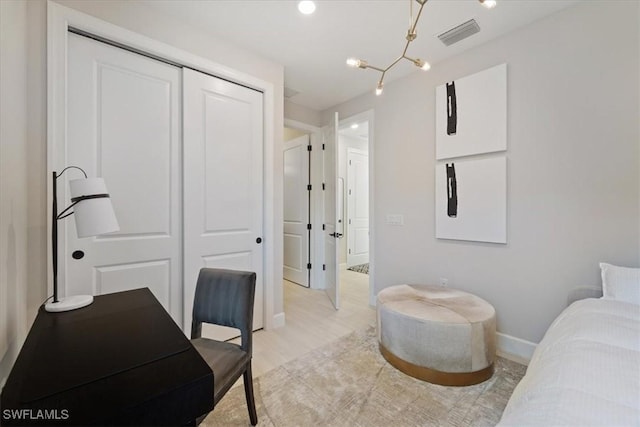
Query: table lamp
pixel 94 215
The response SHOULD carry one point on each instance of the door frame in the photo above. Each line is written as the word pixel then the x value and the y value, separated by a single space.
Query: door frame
pixel 368 115
pixel 59 19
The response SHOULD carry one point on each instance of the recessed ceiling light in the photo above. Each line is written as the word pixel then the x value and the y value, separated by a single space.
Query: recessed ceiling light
pixel 489 4
pixel 306 7
pixel 354 126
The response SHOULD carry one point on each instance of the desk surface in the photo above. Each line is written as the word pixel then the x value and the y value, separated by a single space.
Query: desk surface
pixel 120 361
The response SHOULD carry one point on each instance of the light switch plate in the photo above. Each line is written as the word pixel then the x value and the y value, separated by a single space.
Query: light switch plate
pixel 395 219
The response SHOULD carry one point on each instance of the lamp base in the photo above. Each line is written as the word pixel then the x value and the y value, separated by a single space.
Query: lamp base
pixel 69 303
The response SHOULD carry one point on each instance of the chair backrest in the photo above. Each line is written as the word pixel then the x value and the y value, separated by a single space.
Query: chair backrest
pixel 225 297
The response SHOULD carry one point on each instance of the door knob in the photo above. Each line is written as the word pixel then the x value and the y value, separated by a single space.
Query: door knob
pixel 259 240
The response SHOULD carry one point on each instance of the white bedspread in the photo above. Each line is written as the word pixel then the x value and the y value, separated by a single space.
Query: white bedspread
pixel 585 371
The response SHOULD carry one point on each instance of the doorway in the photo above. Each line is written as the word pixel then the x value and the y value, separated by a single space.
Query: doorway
pixel 353 200
pixel 325 143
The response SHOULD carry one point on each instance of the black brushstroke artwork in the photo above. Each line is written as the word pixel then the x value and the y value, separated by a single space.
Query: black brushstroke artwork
pixel 452 191
pixel 452 109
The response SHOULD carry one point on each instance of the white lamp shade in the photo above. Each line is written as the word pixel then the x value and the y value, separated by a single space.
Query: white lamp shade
pixel 93 216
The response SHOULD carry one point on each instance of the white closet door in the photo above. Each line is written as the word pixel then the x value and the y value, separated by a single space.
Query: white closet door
pixel 223 191
pixel 358 207
pixel 296 210
pixel 124 124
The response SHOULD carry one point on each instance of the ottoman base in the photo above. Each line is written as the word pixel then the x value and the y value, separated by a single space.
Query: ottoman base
pixel 435 376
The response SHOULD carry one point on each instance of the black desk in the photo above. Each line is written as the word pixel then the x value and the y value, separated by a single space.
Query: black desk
pixel 120 361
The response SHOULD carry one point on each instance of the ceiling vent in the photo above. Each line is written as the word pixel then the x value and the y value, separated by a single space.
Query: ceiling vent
pixel 460 32
pixel 290 93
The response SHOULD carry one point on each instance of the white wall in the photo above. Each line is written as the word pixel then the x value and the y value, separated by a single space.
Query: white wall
pixel 573 172
pixel 37 239
pixel 13 182
pixel 290 133
pixel 302 114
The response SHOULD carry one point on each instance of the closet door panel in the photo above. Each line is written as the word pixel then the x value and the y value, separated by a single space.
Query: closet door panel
pixel 124 124
pixel 223 184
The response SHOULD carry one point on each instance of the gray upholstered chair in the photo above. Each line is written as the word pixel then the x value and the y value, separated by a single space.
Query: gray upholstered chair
pixel 225 297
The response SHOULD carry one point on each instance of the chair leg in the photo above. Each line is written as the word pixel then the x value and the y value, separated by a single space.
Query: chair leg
pixel 248 391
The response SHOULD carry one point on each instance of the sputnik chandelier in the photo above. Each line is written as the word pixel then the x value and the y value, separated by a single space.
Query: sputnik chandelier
pixel 411 36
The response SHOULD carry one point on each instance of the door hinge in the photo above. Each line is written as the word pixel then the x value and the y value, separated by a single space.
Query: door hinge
pixel 324 267
pixel 323 146
pixel 349 191
pixel 309 187
pixel 323 186
pixel 349 251
pixel 308 226
pixel 349 162
pixel 308 148
pixel 349 221
pixel 323 226
pixel 309 266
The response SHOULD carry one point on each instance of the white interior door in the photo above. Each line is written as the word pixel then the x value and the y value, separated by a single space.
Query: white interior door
pixel 124 124
pixel 357 207
pixel 296 210
pixel 331 235
pixel 223 193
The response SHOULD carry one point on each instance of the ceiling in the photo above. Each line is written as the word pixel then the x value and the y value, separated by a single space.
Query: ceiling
pixel 313 48
pixel 355 129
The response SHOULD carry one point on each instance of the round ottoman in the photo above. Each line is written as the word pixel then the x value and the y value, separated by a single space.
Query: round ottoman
pixel 437 334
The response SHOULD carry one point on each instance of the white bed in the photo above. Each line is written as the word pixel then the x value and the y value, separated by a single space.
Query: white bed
pixel 585 371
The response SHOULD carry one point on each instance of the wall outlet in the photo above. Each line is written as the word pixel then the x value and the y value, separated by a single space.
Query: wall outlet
pixel 395 219
pixel 444 281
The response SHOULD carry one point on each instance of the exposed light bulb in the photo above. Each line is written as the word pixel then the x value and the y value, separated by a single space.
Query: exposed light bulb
pixel 306 7
pixel 379 89
pixel 489 4
pixel 354 126
pixel 357 63
pixel 353 62
pixel 423 65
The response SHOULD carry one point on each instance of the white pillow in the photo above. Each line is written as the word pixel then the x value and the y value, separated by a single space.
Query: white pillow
pixel 620 283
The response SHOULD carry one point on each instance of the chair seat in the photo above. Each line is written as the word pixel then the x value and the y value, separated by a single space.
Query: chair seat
pixel 227 360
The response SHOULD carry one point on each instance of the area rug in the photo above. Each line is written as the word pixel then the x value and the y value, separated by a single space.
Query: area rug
pixel 361 268
pixel 348 383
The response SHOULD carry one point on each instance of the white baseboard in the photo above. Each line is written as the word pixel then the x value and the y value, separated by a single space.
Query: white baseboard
pixel 278 320
pixel 515 346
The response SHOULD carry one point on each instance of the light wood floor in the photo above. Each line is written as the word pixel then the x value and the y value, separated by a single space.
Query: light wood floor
pixel 311 321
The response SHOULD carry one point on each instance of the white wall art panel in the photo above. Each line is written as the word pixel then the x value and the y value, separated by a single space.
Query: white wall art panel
pixel 471 200
pixel 471 114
